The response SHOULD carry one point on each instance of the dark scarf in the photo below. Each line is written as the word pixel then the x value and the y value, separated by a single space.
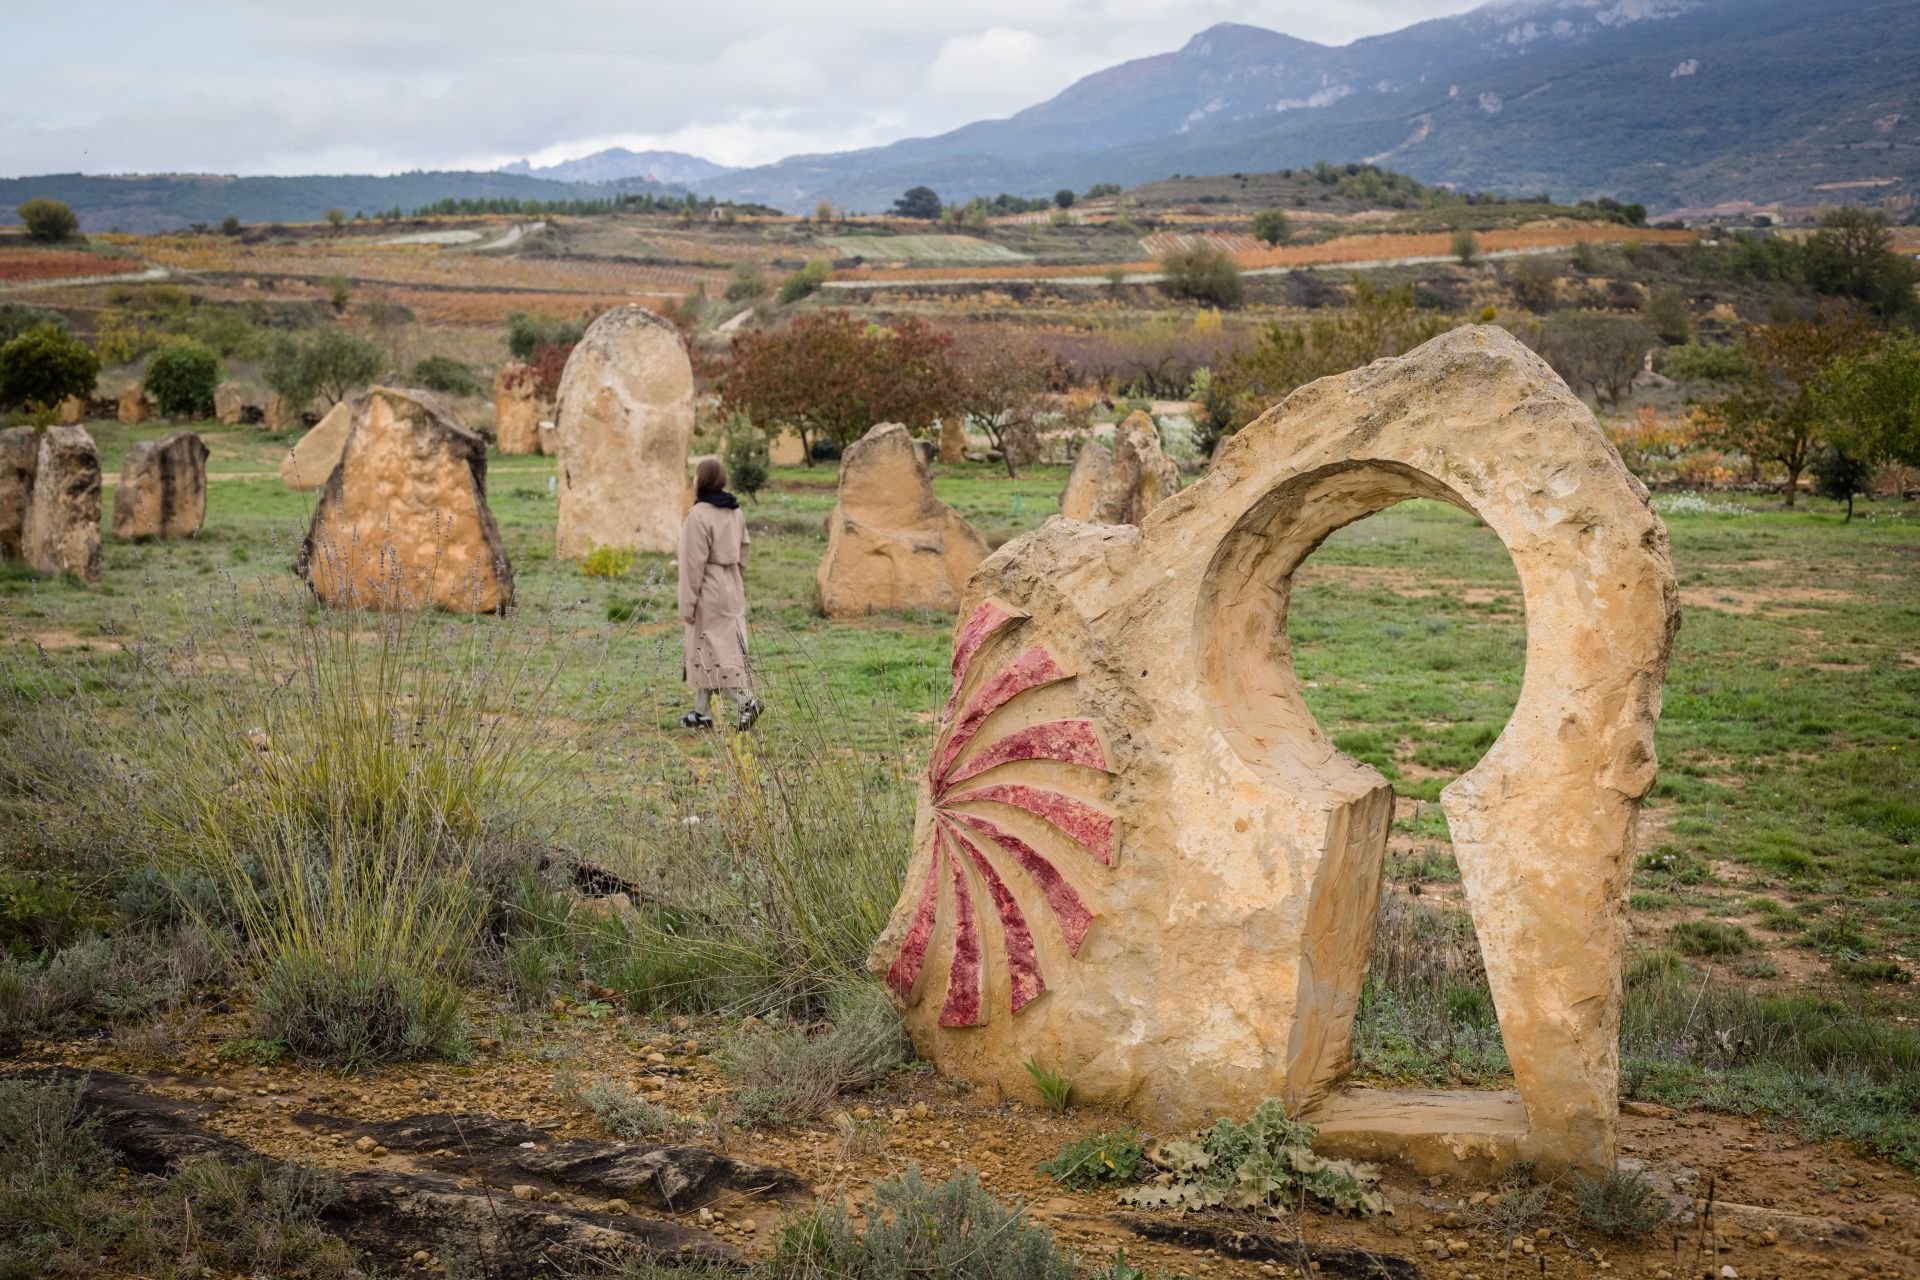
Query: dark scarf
pixel 717 498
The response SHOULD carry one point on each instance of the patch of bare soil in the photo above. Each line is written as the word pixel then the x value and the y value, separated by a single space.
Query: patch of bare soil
pixel 1783 602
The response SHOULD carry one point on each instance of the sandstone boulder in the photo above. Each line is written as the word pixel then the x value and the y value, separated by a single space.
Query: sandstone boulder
pixel 72 412
pixel 1139 859
pixel 163 488
pixel 19 455
pixel 891 544
pixel 280 415
pixel 1121 486
pixel 61 533
pixel 134 407
pixel 403 521
pixel 229 404
pixel 315 454
pixel 517 409
pixel 624 418
pixel 786 449
pixel 549 439
pixel 953 440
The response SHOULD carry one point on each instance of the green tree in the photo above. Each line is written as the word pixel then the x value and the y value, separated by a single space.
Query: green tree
pixel 1063 198
pixel 1666 311
pixel 805 280
pixel 339 293
pixel 181 377
pixel 1465 246
pixel 1872 400
pixel 1839 476
pixel 47 219
pixel 1202 273
pixel 447 376
pixel 1272 227
pixel 230 225
pixel 44 366
pixel 17 318
pixel 823 212
pixel 527 331
pixel 327 362
pixel 1773 413
pixel 1594 351
pixel 1851 256
pixel 918 202
pixel 336 218
pixel 747 460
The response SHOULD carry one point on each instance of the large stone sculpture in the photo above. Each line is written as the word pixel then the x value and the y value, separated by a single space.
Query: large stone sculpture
pixel 890 543
pixel 62 529
pixel 314 455
pixel 19 456
pixel 516 408
pixel 403 521
pixel 1140 861
pixel 624 418
pixel 1121 486
pixel 135 406
pixel 163 488
pixel 230 404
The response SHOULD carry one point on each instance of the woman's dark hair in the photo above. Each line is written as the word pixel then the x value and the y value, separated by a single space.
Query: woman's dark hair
pixel 710 475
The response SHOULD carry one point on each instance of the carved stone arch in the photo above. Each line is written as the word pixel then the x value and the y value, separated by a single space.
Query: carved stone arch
pixel 1220 961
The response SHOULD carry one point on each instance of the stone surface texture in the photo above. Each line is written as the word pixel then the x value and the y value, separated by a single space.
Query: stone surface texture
pixel 229 404
pixel 1139 860
pixel 403 521
pixel 953 440
pixel 1122 485
pixel 280 415
pixel 163 488
pixel 61 533
pixel 134 407
pixel 786 450
pixel 314 455
pixel 624 418
pixel 891 544
pixel 19 456
pixel 72 412
pixel 517 409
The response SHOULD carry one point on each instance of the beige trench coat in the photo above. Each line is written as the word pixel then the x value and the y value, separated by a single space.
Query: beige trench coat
pixel 713 597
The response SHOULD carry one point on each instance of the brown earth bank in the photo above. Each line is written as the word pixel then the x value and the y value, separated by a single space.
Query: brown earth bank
pixel 439 1159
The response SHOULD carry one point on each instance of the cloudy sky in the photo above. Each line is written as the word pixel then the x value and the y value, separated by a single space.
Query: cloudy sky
pixel 378 86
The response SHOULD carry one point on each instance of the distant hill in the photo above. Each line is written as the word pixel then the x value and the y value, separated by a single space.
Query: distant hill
pixel 1665 102
pixel 165 202
pixel 617 163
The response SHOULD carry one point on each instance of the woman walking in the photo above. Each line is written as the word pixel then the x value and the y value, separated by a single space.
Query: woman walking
pixel 713 600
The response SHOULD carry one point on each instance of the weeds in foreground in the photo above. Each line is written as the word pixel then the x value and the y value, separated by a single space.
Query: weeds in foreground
pixel 1264 1164
pixel 1110 1157
pixel 1054 1088
pixel 788 1076
pixel 622 1112
pixel 1620 1204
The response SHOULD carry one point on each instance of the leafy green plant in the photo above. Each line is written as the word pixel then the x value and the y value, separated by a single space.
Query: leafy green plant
pixel 1263 1164
pixel 17 318
pixel 747 461
pixel 1054 1088
pixel 1112 1156
pixel 1202 273
pixel 47 219
pixel 447 376
pixel 44 366
pixel 804 281
pixel 608 562
pixel 324 362
pixel 1620 1204
pixel 181 377
pixel 528 331
pixel 956 1230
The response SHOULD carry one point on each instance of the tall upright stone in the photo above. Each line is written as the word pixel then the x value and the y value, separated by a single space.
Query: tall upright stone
pixel 19 456
pixel 953 440
pixel 61 533
pixel 517 409
pixel 624 419
pixel 403 522
pixel 163 488
pixel 786 449
pixel 1121 486
pixel 891 544
pixel 281 415
pixel 72 412
pixel 314 455
pixel 135 407
pixel 1140 860
pixel 230 404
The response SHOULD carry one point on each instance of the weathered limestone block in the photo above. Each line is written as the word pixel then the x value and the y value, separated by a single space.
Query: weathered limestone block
pixel 315 454
pixel 230 404
pixel 1121 486
pixel 61 533
pixel 19 455
pixel 624 419
pixel 890 543
pixel 134 407
pixel 549 439
pixel 163 488
pixel 403 522
pixel 72 412
pixel 280 416
pixel 516 409
pixel 786 449
pixel 1138 858
pixel 953 440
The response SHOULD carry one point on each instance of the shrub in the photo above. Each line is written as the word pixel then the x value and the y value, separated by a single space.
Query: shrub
pixel 747 461
pixel 447 376
pixel 50 1154
pixel 1272 227
pixel 529 330
pixel 956 1230
pixel 1709 938
pixel 622 1112
pixel 787 1076
pixel 325 362
pixel 608 562
pixel 47 219
pixel 1264 1164
pixel 1465 246
pixel 747 285
pixel 17 318
pixel 44 366
pixel 1103 1157
pixel 1620 1204
pixel 809 277
pixel 1667 314
pixel 181 378
pixel 1202 273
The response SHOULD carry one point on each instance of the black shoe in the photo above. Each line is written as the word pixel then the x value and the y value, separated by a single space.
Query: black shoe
pixel 749 712
pixel 696 720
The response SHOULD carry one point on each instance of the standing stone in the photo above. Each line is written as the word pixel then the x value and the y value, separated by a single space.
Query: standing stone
pixel 315 454
pixel 403 522
pixel 229 404
pixel 624 418
pixel 19 455
pixel 891 544
pixel 953 440
pixel 549 439
pixel 134 407
pixel 516 409
pixel 1141 861
pixel 786 449
pixel 72 412
pixel 1122 486
pixel 163 488
pixel 281 416
pixel 62 529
